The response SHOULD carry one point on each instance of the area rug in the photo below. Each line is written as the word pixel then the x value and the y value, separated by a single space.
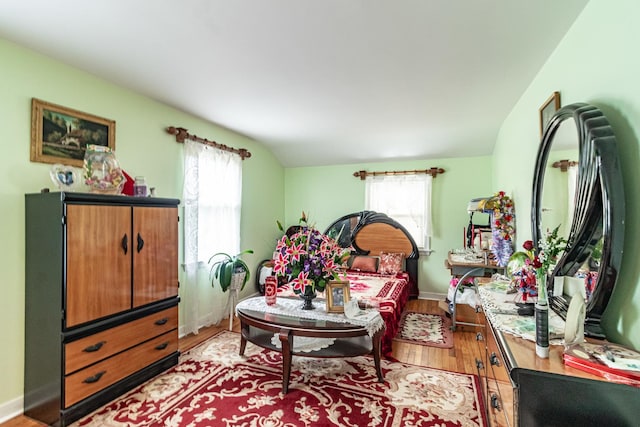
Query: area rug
pixel 214 386
pixel 425 329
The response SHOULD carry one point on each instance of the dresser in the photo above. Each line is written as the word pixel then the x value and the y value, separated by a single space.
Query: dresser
pixel 545 392
pixel 101 299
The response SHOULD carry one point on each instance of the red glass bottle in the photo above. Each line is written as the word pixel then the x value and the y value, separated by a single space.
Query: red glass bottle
pixel 270 289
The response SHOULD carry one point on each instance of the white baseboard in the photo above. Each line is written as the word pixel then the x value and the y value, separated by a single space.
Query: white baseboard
pixel 432 295
pixel 11 409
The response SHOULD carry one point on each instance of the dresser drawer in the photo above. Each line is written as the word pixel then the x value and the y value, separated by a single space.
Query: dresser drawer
pixel 94 378
pixel 495 363
pixel 97 347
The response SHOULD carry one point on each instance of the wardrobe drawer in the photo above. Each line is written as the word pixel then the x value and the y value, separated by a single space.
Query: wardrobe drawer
pixel 94 378
pixel 97 347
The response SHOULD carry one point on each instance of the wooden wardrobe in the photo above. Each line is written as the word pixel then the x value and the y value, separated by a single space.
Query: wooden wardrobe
pixel 101 299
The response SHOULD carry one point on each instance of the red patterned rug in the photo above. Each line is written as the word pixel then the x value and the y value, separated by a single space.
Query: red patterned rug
pixel 425 329
pixel 214 386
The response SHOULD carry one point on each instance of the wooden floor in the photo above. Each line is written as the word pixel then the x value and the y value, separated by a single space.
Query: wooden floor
pixel 460 358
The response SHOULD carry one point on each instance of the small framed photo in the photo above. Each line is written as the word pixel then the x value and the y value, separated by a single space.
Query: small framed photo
pixel 60 134
pixel 548 109
pixel 338 295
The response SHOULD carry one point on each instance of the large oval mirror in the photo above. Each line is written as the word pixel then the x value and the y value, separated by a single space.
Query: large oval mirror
pixel 594 213
pixel 560 178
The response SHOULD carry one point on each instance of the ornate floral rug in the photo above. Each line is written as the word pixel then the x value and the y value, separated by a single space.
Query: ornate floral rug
pixel 214 386
pixel 425 329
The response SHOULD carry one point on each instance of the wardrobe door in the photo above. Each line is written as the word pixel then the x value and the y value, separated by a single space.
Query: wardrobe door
pixel 98 267
pixel 155 266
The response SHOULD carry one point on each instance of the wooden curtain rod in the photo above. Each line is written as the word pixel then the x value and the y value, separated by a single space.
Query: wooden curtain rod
pixel 182 134
pixel 433 172
pixel 564 164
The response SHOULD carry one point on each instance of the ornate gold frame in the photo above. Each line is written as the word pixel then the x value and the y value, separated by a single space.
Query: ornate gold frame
pixel 333 289
pixel 550 106
pixel 71 151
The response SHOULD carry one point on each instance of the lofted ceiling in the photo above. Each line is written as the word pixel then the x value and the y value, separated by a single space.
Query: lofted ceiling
pixel 319 82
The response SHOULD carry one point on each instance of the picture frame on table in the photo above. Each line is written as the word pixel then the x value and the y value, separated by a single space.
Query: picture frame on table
pixel 548 109
pixel 337 295
pixel 60 134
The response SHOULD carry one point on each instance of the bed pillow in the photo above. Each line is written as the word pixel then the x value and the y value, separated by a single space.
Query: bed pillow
pixel 364 263
pixel 391 263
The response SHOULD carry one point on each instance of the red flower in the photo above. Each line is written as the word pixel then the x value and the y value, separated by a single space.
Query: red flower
pixel 528 245
pixel 537 263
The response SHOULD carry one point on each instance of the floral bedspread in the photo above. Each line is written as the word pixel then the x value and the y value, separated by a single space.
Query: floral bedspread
pixel 388 293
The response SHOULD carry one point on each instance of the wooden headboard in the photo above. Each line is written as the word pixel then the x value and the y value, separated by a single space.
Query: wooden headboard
pixel 372 232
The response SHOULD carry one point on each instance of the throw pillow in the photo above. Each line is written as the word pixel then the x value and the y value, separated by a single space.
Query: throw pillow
pixel 391 263
pixel 365 263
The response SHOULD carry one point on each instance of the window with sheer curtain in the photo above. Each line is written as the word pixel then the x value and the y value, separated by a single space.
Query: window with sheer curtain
pixel 405 198
pixel 212 197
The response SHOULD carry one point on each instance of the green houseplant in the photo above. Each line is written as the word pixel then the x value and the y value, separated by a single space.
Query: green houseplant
pixel 225 266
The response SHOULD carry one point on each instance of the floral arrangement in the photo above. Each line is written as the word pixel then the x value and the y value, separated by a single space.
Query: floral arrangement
pixel 502 214
pixel 309 257
pixel 502 226
pixel 536 264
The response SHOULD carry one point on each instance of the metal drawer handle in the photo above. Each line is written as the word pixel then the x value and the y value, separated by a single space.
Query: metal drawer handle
pixel 494 359
pixel 125 244
pixel 479 364
pixel 162 346
pixel 162 321
pixel 95 347
pixel 479 336
pixel 495 402
pixel 94 378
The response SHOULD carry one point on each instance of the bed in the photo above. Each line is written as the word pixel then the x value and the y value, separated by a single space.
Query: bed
pixel 379 276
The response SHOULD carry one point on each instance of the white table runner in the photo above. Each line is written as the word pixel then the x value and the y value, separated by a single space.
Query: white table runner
pixel 292 307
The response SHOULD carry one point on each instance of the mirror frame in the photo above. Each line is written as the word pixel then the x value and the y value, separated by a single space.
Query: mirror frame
pixel 599 207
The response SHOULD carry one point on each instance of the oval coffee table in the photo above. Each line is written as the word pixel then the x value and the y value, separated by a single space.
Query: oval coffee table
pixel 350 340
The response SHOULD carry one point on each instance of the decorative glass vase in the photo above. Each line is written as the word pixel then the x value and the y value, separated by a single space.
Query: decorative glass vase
pixel 542 316
pixel 307 296
pixel 102 172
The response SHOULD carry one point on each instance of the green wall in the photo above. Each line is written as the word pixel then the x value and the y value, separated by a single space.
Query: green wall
pixel 596 63
pixel 329 192
pixel 142 148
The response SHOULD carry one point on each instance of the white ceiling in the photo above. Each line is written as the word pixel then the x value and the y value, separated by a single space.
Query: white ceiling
pixel 319 82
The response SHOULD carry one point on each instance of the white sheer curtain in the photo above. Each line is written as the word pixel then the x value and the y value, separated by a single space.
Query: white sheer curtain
pixel 212 196
pixel 405 198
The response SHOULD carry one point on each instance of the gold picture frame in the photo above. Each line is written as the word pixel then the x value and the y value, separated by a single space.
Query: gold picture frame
pixel 548 109
pixel 60 134
pixel 337 292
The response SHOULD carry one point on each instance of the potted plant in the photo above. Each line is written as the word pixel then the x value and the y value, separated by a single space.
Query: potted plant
pixel 225 267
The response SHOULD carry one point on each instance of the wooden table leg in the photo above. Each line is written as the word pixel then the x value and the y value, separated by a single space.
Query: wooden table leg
pixel 377 353
pixel 244 332
pixel 286 341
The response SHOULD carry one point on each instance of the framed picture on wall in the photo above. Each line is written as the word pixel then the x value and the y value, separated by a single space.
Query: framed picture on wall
pixel 548 109
pixel 60 134
pixel 337 292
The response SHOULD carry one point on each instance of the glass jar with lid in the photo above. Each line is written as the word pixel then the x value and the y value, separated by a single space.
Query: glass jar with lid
pixel 140 187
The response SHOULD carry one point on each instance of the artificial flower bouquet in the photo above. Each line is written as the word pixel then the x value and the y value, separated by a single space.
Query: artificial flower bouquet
pixel 309 258
pixel 531 265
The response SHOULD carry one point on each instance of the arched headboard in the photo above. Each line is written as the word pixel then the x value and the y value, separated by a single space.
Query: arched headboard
pixel 370 233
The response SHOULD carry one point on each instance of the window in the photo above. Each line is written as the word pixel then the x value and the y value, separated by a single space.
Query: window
pixel 212 197
pixel 405 198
